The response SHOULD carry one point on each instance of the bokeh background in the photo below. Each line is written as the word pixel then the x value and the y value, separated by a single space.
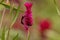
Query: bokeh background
pixel 41 9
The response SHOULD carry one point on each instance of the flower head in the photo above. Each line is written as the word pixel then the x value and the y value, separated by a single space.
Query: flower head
pixel 27 18
pixel 45 24
pixel 28 5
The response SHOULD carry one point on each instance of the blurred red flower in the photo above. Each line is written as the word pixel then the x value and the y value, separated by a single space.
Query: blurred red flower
pixel 45 24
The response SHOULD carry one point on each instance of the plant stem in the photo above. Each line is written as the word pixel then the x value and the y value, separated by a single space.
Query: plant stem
pixel 57 9
pixel 14 19
pixel 8 34
pixel 8 7
pixel 28 36
pixel 2 18
pixel 11 10
pixel 3 14
pixel 43 35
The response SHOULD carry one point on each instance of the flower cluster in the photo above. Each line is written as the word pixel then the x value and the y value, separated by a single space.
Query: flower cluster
pixel 28 21
pixel 44 25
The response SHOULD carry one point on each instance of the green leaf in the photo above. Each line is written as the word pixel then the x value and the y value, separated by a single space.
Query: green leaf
pixel 57 9
pixel 15 17
pixel 55 2
pixel 29 35
pixel 1 7
pixel 2 1
pixel 8 7
pixel 3 33
pixel 16 37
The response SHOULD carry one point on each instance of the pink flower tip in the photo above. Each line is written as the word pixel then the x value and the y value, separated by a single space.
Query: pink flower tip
pixel 28 5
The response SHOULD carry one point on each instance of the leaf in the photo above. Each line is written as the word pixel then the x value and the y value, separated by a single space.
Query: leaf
pixel 8 7
pixel 57 9
pixel 1 7
pixel 3 33
pixel 15 17
pixel 55 2
pixel 14 32
pixel 16 37
pixel 2 1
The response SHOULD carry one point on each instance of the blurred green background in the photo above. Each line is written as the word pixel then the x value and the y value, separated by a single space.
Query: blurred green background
pixel 41 9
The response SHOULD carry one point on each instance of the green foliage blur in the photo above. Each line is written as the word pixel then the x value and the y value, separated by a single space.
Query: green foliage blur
pixel 41 9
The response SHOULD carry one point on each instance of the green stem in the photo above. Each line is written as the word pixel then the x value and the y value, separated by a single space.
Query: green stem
pixel 16 37
pixel 28 36
pixel 11 10
pixel 14 19
pixel 2 18
pixel 8 7
pixel 8 34
pixel 3 33
pixel 57 9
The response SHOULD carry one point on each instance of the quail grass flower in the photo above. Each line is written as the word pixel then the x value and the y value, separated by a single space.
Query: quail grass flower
pixel 27 19
pixel 44 25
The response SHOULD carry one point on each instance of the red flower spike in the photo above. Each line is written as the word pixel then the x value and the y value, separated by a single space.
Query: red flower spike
pixel 28 5
pixel 27 18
